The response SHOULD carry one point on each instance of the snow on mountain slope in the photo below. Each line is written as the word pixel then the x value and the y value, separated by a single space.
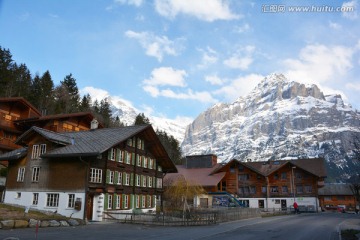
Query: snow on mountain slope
pixel 279 119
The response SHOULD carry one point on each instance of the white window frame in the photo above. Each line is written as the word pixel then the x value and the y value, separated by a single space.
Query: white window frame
pixel 137 182
pixel 21 174
pixel 126 201
pixel 71 200
pixel 128 158
pixel 52 199
pixel 158 183
pixel 148 200
pixel 138 160
pixel 144 181
pixel 120 178
pixel 121 157
pixel 35 199
pixel 143 202
pixel 112 154
pixel 137 201
pixel 35 174
pixel 149 179
pixel 127 179
pixel 37 150
pixel 118 201
pixel 145 163
pixel 110 201
pixel 111 177
pixel 151 162
pixel 95 175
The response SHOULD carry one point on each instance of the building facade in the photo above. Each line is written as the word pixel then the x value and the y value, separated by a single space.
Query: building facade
pixel 86 174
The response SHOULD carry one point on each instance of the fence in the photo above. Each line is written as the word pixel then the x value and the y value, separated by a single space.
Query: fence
pixel 192 218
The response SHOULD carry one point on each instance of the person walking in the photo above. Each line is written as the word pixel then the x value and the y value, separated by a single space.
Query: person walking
pixel 296 207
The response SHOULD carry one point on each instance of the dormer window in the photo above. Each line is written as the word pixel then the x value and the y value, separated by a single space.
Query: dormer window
pixel 37 150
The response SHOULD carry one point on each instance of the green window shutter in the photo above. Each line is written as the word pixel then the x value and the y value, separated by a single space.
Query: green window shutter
pixel 123 201
pixel 131 179
pixel 107 176
pixel 109 154
pixel 141 200
pixel 142 145
pixel 116 176
pixel 154 182
pixel 114 200
pixel 133 159
pixel 123 178
pixel 106 201
pixel 117 157
pixel 153 204
pixel 132 201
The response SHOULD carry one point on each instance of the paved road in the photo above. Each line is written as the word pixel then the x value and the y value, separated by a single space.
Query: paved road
pixel 294 227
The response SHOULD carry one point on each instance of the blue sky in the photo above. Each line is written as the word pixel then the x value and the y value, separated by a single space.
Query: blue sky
pixel 176 58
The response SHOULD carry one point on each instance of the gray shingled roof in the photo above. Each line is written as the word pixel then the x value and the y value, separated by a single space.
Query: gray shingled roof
pixel 14 155
pixel 335 190
pixel 94 142
pixel 60 138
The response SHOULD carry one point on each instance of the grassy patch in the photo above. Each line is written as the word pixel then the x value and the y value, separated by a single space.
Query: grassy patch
pixel 349 234
pixel 9 212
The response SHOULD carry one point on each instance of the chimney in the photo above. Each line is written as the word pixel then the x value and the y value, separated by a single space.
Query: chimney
pixel 94 124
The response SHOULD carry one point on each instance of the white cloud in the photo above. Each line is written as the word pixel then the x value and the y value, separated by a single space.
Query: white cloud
pixel 156 46
pixel 239 86
pixel 136 3
pixel 166 76
pixel 319 64
pixel 243 28
pixel 350 9
pixel 334 25
pixel 353 86
pixel 214 80
pixel 210 10
pixel 209 57
pixel 241 59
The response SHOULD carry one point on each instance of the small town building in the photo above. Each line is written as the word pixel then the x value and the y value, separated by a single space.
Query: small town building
pixel 337 196
pixel 84 174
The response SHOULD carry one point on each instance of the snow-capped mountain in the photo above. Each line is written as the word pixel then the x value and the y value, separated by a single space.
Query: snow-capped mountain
pixel 279 119
pixel 127 115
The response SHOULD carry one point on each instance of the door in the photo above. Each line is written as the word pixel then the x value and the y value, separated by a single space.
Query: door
pixel 261 203
pixel 283 204
pixel 89 207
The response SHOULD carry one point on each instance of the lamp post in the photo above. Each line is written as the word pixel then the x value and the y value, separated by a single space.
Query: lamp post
pixel 293 181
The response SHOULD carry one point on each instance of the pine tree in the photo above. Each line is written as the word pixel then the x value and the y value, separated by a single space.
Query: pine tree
pixel 85 104
pixel 141 119
pixel 6 72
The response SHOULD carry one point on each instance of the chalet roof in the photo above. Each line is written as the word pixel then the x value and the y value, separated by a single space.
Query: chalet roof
pixel 88 115
pixel 22 101
pixel 196 176
pixel 14 155
pixel 97 141
pixel 315 166
pixel 59 138
pixel 335 190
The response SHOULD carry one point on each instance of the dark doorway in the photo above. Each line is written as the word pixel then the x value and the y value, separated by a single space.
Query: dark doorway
pixel 283 204
pixel 89 207
pixel 261 203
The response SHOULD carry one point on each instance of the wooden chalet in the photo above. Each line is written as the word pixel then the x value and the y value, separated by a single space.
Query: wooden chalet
pixel 267 184
pixel 86 174
pixel 333 197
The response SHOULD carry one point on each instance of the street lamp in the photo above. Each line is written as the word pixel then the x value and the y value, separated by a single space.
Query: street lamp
pixel 293 181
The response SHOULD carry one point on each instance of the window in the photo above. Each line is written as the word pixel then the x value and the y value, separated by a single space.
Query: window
pixel 274 189
pixel 137 180
pixel 159 168
pixel 118 201
pixel 299 188
pixel 149 181
pixel 52 200
pixel 263 189
pixel 35 199
pixel 144 181
pixel 138 160
pixel 109 201
pixel 112 153
pixel 18 195
pixel 241 168
pixel 120 156
pixel 151 162
pixel 126 201
pixel 38 150
pixel 21 174
pixel 129 142
pixel 244 177
pixel 276 176
pixel 119 179
pixel 127 179
pixel 128 157
pixel 95 175
pixel 148 201
pixel 159 183
pixel 35 174
pixel 252 189
pixel 298 175
pixel 143 202
pixel 111 177
pixel 284 189
pixel 137 201
pixel 145 163
pixel 308 189
pixel 71 200
pixel 283 175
